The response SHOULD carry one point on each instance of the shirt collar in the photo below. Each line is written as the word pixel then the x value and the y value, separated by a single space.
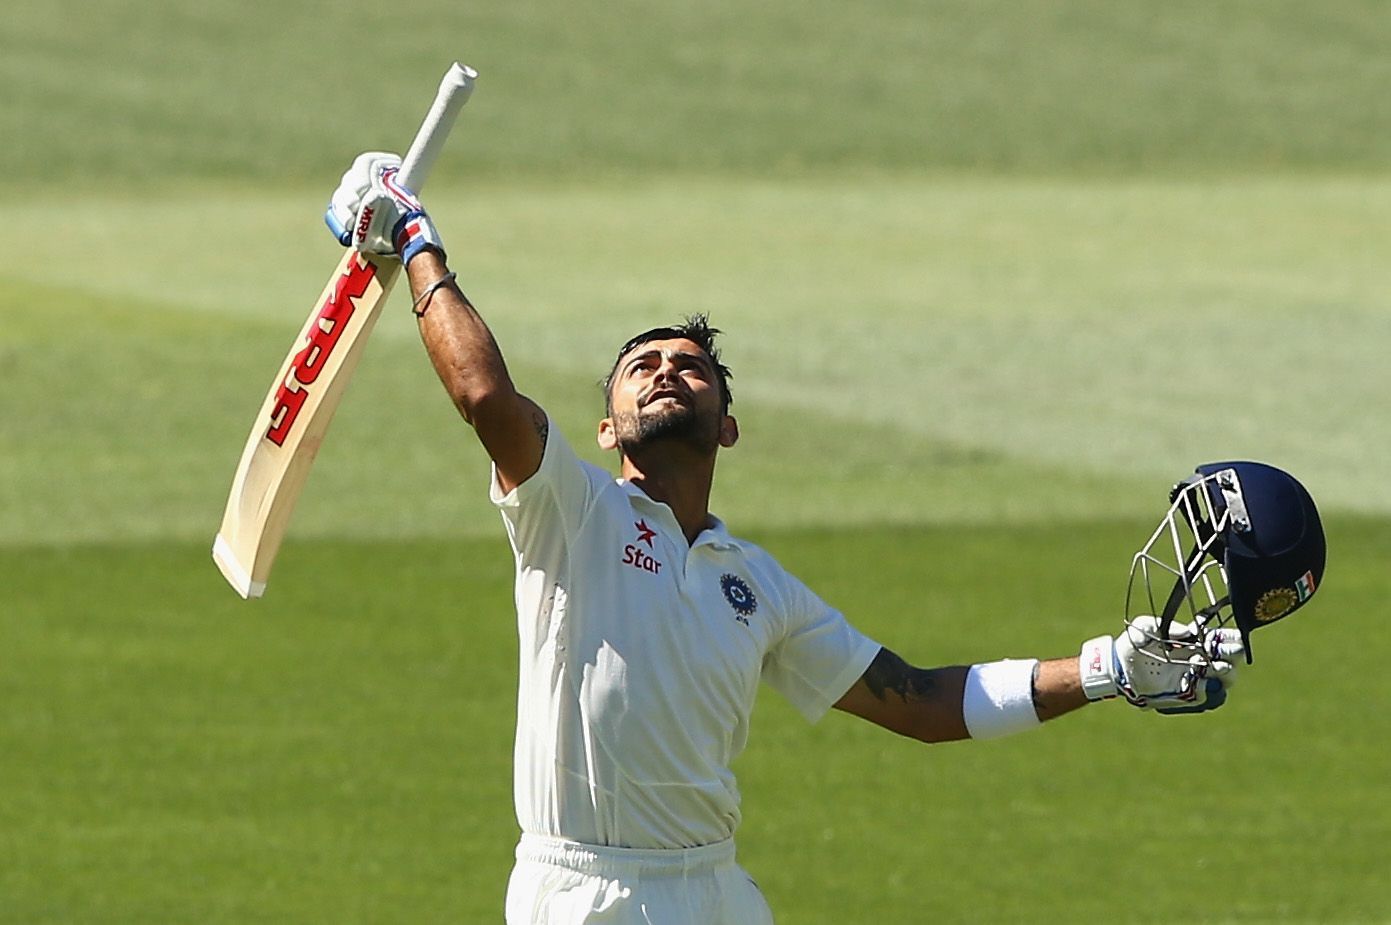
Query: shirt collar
pixel 716 534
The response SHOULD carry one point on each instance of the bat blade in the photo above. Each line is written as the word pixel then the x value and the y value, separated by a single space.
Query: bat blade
pixel 293 419
pixel 296 413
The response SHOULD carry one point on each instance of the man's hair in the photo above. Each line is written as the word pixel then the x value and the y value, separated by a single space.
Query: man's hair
pixel 695 328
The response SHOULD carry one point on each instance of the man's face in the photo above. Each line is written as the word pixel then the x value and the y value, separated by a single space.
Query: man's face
pixel 665 390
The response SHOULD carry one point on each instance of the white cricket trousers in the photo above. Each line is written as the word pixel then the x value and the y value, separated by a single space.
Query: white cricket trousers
pixel 558 882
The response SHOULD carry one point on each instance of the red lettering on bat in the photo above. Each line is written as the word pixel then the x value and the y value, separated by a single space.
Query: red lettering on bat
pixel 324 333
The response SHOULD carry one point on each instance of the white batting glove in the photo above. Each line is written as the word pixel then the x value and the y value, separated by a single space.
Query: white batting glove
pixel 374 213
pixel 1188 671
pixel 346 201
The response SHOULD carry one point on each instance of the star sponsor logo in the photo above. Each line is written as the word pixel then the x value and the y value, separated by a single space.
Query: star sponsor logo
pixel 636 556
pixel 740 596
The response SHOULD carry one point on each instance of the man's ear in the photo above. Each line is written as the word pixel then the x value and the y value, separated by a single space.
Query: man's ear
pixel 729 431
pixel 607 436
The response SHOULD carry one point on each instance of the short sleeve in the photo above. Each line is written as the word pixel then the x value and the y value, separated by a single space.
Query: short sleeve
pixel 820 656
pixel 551 504
pixel 543 516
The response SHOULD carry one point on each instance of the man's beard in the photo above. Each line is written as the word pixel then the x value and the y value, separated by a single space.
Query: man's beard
pixel 676 423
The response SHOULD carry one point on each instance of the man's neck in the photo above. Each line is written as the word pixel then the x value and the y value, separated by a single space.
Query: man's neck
pixel 682 483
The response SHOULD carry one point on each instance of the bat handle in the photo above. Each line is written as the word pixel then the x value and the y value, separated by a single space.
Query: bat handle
pixel 453 93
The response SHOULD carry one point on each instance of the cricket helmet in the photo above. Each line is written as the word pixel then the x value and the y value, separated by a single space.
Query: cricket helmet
pixel 1243 544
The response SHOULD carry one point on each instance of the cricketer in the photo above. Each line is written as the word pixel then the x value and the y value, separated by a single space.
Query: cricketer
pixel 646 626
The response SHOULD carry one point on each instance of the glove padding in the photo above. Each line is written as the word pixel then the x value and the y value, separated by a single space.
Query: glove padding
pixel 1188 671
pixel 374 213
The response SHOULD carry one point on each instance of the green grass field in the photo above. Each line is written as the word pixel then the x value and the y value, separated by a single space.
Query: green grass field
pixel 993 274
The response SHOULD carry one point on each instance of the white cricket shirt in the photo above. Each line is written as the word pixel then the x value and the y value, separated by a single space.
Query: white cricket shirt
pixel 641 656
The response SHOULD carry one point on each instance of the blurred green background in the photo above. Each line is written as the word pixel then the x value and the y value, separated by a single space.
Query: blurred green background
pixel 994 275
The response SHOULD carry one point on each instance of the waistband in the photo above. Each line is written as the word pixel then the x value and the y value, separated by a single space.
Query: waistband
pixel 623 862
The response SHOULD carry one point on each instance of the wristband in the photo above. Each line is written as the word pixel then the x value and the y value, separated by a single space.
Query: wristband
pixel 1094 665
pixel 999 698
pixel 413 233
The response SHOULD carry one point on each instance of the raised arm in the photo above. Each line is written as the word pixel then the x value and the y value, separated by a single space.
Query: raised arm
pixel 383 217
pixel 511 427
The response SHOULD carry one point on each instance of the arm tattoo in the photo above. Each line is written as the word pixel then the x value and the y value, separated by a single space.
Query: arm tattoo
pixel 543 426
pixel 889 673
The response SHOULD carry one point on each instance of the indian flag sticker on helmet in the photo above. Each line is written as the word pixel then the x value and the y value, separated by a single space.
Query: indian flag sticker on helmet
pixel 1275 603
pixel 1304 587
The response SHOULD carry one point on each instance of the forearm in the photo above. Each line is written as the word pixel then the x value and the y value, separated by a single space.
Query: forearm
pixel 1057 688
pixel 462 349
pixel 935 704
pixel 511 427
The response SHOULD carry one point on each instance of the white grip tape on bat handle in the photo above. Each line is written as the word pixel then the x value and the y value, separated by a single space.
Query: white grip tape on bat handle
pixel 454 92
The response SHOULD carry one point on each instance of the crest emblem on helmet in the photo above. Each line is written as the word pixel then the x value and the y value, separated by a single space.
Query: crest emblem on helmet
pixel 1275 603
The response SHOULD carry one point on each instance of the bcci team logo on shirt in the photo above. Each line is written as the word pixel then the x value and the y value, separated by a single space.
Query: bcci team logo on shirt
pixel 740 597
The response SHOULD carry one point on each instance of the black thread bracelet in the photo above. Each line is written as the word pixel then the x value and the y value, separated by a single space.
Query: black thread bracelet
pixel 427 294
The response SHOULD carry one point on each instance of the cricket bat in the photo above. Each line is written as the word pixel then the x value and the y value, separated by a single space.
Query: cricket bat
pixel 292 421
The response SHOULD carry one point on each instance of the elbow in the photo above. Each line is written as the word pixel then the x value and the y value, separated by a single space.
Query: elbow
pixel 927 727
pixel 481 402
pixel 938 722
pixel 937 733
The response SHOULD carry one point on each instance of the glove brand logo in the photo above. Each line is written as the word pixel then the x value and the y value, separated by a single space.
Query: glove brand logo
pixel 324 332
pixel 363 223
pixel 1094 664
pixel 1275 603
